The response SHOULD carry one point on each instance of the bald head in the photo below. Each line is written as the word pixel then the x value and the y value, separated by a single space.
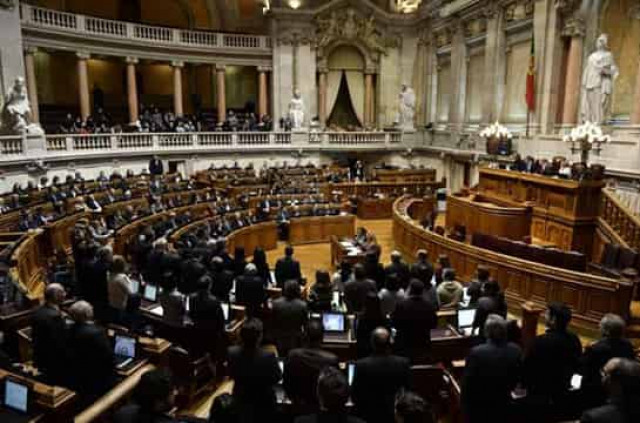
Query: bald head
pixel 54 294
pixel 380 340
pixel 81 312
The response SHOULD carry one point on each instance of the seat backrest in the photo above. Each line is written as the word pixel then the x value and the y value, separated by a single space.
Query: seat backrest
pixel 610 255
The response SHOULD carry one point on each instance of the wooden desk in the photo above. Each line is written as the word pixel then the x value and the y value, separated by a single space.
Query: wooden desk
pixel 340 253
pixel 589 296
pixel 478 215
pixel 263 235
pixel 305 230
pixel 404 175
pixel 564 211
pixel 375 208
pixel 390 189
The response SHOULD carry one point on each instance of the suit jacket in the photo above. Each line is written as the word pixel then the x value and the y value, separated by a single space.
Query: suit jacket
pixel 255 374
pixel 250 292
pixel 422 270
pixel 289 318
pixel 491 373
pixel 286 269
pixel 49 335
pixel 222 284
pixel 550 362
pixel 609 413
pixel 594 358
pixel 173 307
pixel 401 270
pixel 377 380
pixel 302 367
pixel 355 293
pixel 92 365
pixel 413 318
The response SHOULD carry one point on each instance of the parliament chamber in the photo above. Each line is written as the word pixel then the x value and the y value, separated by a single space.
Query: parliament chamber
pixel 319 211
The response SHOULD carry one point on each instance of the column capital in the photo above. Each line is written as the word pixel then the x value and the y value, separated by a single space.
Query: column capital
pixel 323 69
pixel 574 27
pixel 265 69
pixel 83 55
pixel 30 50
pixel 177 64
pixel 370 71
pixel 130 60
pixel 220 67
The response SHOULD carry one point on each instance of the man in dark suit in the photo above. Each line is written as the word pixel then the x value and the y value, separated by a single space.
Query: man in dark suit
pixel 611 344
pixel 255 373
pixel 356 291
pixel 400 268
pixel 378 378
pixel 49 335
pixel 413 318
pixel 492 371
pixel 92 359
pixel 250 290
pixel 289 316
pixel 287 268
pixel 154 399
pixel 422 269
pixel 304 365
pixel 550 362
pixel 207 316
pixel 155 166
pixel 222 279
pixel 621 377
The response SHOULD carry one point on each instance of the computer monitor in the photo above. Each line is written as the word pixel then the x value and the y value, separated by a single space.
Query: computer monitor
pixel 466 317
pixel 124 346
pixel 225 311
pixel 16 395
pixel 333 322
pixel 135 285
pixel 150 293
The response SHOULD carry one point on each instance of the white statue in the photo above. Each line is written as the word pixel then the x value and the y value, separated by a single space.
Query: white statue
pixel 296 110
pixel 597 83
pixel 406 107
pixel 16 112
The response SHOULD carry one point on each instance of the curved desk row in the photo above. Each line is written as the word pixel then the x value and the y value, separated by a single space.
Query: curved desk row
pixel 590 297
pixel 480 216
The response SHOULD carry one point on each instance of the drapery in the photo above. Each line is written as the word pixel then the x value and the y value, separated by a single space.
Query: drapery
pixel 355 82
pixel 333 86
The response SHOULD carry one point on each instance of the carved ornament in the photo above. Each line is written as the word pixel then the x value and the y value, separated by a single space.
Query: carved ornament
pixel 574 27
pixel 519 11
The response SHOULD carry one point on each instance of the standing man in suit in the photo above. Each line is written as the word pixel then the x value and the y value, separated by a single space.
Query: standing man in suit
pixel 492 371
pixel 155 166
pixel 250 291
pixel 399 268
pixel 356 290
pixel 303 366
pixel 413 318
pixel 92 369
pixel 49 334
pixel 289 315
pixel 207 316
pixel 287 268
pixel 378 378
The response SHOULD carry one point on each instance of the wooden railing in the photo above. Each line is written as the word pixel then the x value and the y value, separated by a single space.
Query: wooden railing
pixel 620 219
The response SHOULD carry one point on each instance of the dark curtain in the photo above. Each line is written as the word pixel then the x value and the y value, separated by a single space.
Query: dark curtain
pixel 343 114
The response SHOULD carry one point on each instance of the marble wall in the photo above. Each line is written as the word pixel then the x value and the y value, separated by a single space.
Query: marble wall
pixel 11 63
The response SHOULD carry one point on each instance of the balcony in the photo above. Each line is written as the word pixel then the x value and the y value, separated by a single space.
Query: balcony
pixel 54 29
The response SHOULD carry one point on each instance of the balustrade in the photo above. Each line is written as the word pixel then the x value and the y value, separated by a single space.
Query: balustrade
pixel 620 219
pixel 105 27
pixel 11 145
pixel 253 138
pixel 133 141
pixel 215 138
pixel 57 143
pixel 174 140
pixel 92 142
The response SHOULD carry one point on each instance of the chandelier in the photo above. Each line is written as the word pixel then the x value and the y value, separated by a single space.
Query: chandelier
pixel 407 6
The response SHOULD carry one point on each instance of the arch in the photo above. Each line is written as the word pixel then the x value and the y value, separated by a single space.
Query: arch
pixel 370 59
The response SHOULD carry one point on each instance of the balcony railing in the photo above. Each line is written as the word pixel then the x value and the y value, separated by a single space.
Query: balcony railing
pixel 50 146
pixel 620 218
pixel 41 18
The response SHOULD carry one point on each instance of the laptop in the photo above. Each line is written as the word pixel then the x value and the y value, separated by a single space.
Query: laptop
pixel 16 396
pixel 465 320
pixel 334 327
pixel 124 348
pixel 226 309
pixel 150 293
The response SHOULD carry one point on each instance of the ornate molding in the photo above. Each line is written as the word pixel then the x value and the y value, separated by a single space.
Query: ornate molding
pixel 475 27
pixel 443 36
pixel 295 38
pixel 566 7
pixel 520 10
pixel 574 27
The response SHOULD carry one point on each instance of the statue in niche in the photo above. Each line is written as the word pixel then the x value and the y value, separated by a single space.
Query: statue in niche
pixel 16 112
pixel 350 26
pixel 406 108
pixel 597 83
pixel 296 110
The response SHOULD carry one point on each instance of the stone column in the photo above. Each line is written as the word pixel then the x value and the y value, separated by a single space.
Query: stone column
pixel 263 92
pixel 575 29
pixel 322 96
pixel 32 86
pixel 494 63
pixel 177 66
pixel 635 114
pixel 83 85
pixel 368 98
pixel 132 89
pixel 222 94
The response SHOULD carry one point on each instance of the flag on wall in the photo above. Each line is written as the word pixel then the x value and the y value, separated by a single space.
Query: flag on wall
pixel 531 79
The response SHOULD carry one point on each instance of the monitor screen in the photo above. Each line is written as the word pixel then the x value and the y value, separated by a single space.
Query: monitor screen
pixel 465 318
pixel 225 311
pixel 351 371
pixel 135 286
pixel 16 395
pixel 150 293
pixel 125 346
pixel 333 322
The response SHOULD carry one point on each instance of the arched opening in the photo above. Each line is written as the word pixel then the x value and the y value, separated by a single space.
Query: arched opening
pixel 345 88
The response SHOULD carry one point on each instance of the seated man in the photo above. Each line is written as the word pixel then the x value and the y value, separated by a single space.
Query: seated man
pixel 49 334
pixel 304 365
pixel 154 398
pixel 378 378
pixel 333 393
pixel 287 268
pixel 92 360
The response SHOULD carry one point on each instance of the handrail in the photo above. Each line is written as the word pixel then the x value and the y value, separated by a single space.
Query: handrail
pixel 620 219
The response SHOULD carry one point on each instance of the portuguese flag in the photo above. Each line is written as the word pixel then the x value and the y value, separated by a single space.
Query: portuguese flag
pixel 531 79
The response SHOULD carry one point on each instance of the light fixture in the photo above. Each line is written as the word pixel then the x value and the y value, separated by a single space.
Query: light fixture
pixel 407 6
pixel 266 6
pixel 294 4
